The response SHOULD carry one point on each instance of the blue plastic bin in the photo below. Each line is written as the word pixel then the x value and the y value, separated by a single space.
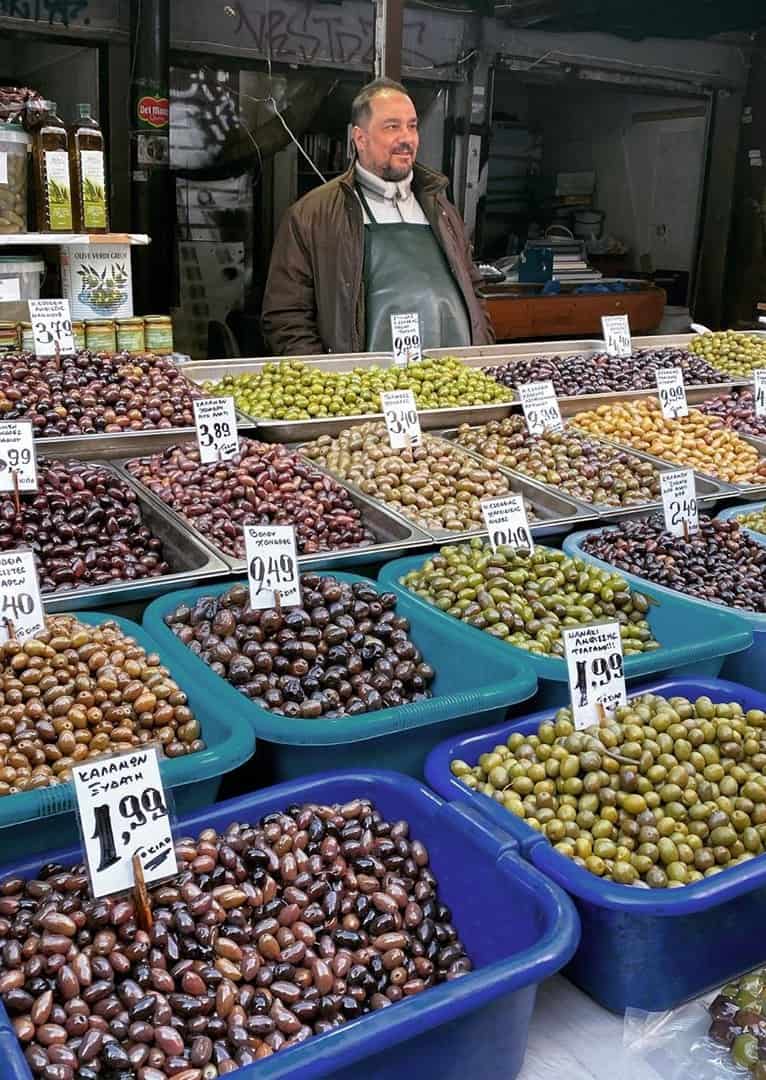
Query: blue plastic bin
pixel 640 948
pixel 690 646
pixel 518 928
pixel 465 696
pixel 748 665
pixel 35 816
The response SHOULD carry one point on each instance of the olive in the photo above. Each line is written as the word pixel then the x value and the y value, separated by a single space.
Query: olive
pixel 735 354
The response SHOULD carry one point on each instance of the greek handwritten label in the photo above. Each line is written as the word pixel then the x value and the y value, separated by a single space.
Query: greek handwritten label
pixel 596 672
pixel 759 391
pixel 272 566
pixel 17 456
pixel 541 407
pixel 402 419
pixel 617 339
pixel 405 335
pixel 672 392
pixel 216 423
pixel 507 523
pixel 679 502
pixel 51 327
pixel 21 606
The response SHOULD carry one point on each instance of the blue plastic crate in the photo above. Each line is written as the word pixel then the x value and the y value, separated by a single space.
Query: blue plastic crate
pixel 748 665
pixel 34 816
pixel 465 696
pixel 640 948
pixel 689 646
pixel 518 928
pixel 744 508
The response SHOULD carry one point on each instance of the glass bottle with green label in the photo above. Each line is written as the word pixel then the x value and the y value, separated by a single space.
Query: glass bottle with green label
pixel 88 171
pixel 50 156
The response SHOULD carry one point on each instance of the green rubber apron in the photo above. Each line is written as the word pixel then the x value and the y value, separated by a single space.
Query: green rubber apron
pixel 405 270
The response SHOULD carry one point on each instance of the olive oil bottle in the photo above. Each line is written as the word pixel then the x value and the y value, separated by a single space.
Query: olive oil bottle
pixel 50 160
pixel 88 173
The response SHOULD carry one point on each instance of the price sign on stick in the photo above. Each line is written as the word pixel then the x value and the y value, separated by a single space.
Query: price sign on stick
pixel 672 392
pixel 679 502
pixel 616 330
pixel 541 407
pixel 123 812
pixel 759 391
pixel 405 335
pixel 51 327
pixel 18 470
pixel 216 423
pixel 21 607
pixel 507 524
pixel 402 420
pixel 272 566
pixel 595 670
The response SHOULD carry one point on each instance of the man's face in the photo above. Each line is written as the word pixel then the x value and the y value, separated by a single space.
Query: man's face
pixel 388 143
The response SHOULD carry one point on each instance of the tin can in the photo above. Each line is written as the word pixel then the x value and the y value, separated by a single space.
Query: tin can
pixel 101 335
pixel 130 336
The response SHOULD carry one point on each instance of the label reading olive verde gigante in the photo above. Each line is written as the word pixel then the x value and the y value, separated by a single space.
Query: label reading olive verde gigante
pixel 405 337
pixel 759 391
pixel 541 407
pixel 616 330
pixel 679 502
pixel 17 456
pixel 507 524
pixel 402 419
pixel 272 566
pixel 51 326
pixel 216 429
pixel 596 671
pixel 21 607
pixel 672 392
pixel 123 811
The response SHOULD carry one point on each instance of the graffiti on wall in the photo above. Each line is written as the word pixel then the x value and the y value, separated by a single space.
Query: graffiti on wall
pixel 52 12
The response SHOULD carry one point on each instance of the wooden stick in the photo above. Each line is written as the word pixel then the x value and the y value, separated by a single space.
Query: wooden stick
pixel 10 628
pixel 16 495
pixel 57 357
pixel 277 601
pixel 686 529
pixel 602 717
pixel 141 896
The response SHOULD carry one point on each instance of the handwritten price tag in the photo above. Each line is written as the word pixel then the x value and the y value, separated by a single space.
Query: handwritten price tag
pixel 272 566
pixel 405 335
pixel 402 419
pixel 17 456
pixel 679 502
pixel 596 671
pixel 507 524
pixel 216 423
pixel 672 392
pixel 123 811
pixel 21 606
pixel 51 327
pixel 541 407
pixel 617 339
pixel 759 391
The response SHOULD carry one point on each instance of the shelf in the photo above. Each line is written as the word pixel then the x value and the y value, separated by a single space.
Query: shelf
pixel 70 239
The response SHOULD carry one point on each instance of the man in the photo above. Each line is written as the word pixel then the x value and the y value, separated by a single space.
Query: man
pixel 379 240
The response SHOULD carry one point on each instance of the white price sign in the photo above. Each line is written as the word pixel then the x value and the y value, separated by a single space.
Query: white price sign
pixel 616 330
pixel 759 391
pixel 507 524
pixel 123 811
pixel 51 326
pixel 541 407
pixel 596 671
pixel 679 502
pixel 272 566
pixel 21 606
pixel 672 392
pixel 216 423
pixel 405 335
pixel 402 420
pixel 17 456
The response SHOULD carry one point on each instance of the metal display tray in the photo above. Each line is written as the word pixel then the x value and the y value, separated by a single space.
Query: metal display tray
pixel 190 558
pixel 394 535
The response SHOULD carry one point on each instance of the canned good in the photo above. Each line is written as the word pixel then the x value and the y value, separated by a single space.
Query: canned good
pixel 130 336
pixel 9 336
pixel 78 332
pixel 101 335
pixel 27 337
pixel 159 334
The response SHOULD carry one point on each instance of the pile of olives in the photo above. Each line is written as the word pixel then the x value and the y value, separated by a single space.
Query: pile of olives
pixel 735 354
pixel 737 411
pixel 755 520
pixel 294 390
pixel 527 599
pixel 594 472
pixel 739 1023
pixel 668 793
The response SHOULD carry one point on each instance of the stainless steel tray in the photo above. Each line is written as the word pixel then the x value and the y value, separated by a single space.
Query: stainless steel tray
pixel 394 535
pixel 191 560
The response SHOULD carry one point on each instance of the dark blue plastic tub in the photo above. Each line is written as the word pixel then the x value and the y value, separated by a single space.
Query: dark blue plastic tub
pixel 640 948
pixel 35 816
pixel 747 666
pixel 466 695
pixel 518 927
pixel 690 646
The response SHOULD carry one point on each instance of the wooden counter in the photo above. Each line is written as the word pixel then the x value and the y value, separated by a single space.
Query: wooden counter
pixel 519 317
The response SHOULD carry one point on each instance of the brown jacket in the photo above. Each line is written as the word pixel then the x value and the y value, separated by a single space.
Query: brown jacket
pixel 314 300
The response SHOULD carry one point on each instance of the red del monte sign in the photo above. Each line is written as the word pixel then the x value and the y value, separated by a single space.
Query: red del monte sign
pixel 154 111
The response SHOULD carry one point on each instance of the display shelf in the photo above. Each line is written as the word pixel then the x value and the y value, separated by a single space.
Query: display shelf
pixel 36 239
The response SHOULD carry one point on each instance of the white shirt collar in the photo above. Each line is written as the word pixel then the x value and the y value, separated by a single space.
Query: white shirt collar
pixel 385 189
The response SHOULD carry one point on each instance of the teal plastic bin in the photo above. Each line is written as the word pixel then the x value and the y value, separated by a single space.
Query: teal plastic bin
pixel 36 816
pixel 690 646
pixel 746 666
pixel 468 692
pixel 745 508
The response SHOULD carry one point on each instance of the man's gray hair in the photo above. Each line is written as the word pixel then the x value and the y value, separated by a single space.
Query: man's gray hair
pixel 360 107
